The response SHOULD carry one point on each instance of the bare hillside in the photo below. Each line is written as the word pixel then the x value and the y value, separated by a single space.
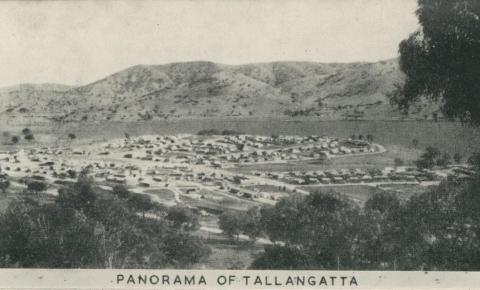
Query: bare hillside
pixel 205 89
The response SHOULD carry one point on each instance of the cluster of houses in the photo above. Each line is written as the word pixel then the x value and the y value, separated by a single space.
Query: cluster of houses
pixel 171 160
pixel 237 149
pixel 355 175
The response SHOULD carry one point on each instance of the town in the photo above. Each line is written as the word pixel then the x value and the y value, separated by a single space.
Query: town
pixel 190 168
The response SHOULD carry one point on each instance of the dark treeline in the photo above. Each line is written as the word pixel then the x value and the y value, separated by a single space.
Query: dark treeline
pixel 90 228
pixel 210 132
pixel 437 230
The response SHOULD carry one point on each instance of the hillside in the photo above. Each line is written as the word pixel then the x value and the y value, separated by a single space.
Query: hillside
pixel 205 89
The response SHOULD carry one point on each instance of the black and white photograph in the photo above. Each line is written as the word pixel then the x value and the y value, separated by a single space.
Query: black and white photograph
pixel 240 135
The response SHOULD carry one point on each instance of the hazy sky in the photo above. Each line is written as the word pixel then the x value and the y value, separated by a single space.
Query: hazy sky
pixel 77 42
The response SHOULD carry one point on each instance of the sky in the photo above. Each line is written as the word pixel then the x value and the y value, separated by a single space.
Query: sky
pixel 77 42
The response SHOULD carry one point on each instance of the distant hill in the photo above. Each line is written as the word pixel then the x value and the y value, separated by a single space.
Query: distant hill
pixel 205 89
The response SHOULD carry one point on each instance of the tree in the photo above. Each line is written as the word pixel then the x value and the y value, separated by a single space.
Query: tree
pixel 429 158
pixel 81 196
pixel 29 137
pixel 370 138
pixel 72 173
pixel 415 143
pixel 36 187
pixel 72 136
pixel 277 257
pixel 322 225
pixel 183 218
pixel 445 160
pixel 15 139
pixel 121 191
pixel 474 161
pixel 398 162
pixel 26 131
pixel 441 60
pixel 4 184
pixel 141 203
pixel 457 157
pixel 231 224
pixel 252 226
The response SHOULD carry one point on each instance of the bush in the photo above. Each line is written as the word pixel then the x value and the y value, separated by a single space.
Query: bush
pixel 457 158
pixel 398 162
pixel 26 131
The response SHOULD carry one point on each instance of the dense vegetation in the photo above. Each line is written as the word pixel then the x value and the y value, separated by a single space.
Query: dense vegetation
pixel 437 230
pixel 90 228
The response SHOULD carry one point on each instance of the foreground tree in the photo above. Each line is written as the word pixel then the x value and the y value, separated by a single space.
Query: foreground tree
pixel 441 60
pixel 251 225
pixel 321 226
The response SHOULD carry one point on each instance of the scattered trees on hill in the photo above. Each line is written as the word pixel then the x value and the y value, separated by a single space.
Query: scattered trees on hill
pixel 474 161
